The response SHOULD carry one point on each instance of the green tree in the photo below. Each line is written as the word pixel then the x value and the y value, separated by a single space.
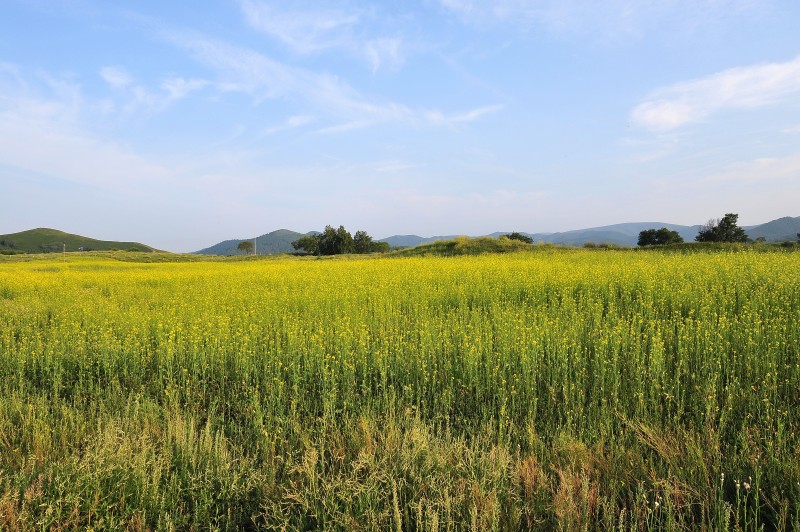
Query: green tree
pixel 335 241
pixel 326 241
pixel 659 237
pixel 725 229
pixel 308 244
pixel 245 246
pixel 361 242
pixel 519 236
pixel 378 247
pixel 344 239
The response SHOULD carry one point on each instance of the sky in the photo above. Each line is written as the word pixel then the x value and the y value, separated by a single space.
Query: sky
pixel 181 124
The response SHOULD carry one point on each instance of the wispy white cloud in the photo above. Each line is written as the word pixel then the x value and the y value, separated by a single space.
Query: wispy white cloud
pixel 309 29
pixel 607 19
pixel 47 127
pixel 347 126
pixel 792 130
pixel 179 88
pixel 439 118
pixel 693 101
pixel 244 70
pixel 116 77
pixel 429 118
pixel 384 51
pixel 292 122
pixel 133 97
pixel 49 130
pixel 264 77
pixel 304 30
pixel 40 98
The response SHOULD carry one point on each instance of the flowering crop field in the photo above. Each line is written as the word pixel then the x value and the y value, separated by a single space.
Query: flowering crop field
pixel 553 389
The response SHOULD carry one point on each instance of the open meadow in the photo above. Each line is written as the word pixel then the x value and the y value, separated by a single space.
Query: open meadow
pixel 549 389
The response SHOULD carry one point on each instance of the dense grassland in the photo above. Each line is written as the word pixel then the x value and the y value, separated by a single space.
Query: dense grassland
pixel 549 389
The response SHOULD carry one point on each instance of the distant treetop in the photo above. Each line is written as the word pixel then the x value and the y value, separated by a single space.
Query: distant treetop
pixel 722 230
pixel 338 241
pixel 245 246
pixel 519 236
pixel 659 237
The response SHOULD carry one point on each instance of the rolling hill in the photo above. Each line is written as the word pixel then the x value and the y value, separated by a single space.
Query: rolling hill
pixel 44 240
pixel 625 234
pixel 273 243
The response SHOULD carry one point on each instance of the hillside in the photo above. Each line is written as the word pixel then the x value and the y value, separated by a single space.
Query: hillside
pixel 624 234
pixel 779 230
pixel 273 243
pixel 44 240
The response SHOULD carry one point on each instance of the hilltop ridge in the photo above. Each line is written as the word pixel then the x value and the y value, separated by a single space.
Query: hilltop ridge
pixel 46 240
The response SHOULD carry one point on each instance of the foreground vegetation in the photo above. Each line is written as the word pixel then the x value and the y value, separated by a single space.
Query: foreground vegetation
pixel 572 389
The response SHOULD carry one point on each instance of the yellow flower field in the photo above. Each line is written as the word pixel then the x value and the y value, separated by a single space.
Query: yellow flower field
pixel 556 388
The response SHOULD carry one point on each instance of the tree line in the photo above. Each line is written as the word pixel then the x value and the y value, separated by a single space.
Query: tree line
pixel 339 241
pixel 725 229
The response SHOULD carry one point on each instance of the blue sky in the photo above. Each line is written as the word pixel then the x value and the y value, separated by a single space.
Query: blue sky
pixel 180 124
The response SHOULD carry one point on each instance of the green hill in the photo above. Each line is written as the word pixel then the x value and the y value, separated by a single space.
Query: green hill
pixel 780 230
pixel 45 240
pixel 273 243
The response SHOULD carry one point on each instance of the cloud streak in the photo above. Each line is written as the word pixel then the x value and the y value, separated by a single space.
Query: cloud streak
pixel 742 88
pixel 438 118
pixel 46 129
pixel 139 98
pixel 304 31
pixel 116 77
pixel 244 70
pixel 311 30
pixel 607 19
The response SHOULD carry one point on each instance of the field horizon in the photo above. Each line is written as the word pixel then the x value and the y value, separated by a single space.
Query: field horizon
pixel 45 240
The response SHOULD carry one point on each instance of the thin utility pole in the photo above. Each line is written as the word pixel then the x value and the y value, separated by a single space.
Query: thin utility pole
pixel 255 246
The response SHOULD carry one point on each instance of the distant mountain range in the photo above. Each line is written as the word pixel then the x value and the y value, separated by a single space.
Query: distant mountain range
pixel 624 234
pixel 44 240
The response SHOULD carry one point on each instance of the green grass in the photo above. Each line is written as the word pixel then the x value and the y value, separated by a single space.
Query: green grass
pixel 44 240
pixel 465 246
